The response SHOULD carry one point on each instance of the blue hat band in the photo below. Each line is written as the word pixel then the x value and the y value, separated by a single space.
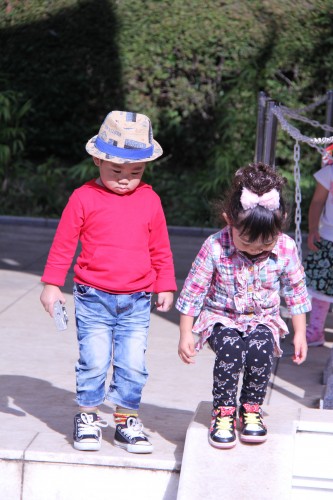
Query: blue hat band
pixel 126 153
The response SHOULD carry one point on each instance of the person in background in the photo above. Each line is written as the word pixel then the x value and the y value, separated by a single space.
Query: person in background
pixel 234 288
pixel 125 257
pixel 318 264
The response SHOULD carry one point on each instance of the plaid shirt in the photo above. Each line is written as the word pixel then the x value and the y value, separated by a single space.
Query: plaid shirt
pixel 224 286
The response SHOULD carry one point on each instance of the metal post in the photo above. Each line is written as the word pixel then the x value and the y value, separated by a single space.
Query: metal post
pixel 258 156
pixel 329 112
pixel 270 134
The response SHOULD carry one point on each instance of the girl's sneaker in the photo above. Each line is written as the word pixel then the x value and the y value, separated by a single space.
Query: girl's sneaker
pixel 253 429
pixel 222 428
pixel 87 431
pixel 129 435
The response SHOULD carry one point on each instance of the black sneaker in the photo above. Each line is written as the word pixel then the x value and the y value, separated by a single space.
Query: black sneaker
pixel 253 429
pixel 222 428
pixel 130 436
pixel 87 431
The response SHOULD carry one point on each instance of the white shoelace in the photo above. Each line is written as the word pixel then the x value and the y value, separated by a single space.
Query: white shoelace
pixel 134 428
pixel 88 426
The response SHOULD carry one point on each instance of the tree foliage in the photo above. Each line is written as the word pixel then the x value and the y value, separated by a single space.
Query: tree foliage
pixel 194 67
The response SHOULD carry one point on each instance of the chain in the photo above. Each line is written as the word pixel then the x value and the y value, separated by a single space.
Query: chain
pixel 323 140
pixel 298 199
pixel 310 107
pixel 296 134
pixel 296 116
pixel 280 112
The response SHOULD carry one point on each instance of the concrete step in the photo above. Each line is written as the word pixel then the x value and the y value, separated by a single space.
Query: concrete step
pixel 37 391
pixel 312 460
pixel 294 463
pixel 43 466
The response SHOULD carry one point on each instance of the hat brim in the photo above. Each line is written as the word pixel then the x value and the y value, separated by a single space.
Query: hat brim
pixel 94 151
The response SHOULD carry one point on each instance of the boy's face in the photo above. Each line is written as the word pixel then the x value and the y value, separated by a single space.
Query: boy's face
pixel 120 179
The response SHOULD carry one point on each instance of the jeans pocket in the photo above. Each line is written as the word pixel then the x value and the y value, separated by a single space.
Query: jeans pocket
pixel 140 295
pixel 79 289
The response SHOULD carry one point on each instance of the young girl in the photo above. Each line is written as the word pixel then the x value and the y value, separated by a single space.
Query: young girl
pixel 234 286
pixel 319 262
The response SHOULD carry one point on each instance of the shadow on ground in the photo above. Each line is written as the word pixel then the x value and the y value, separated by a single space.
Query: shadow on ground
pixel 21 396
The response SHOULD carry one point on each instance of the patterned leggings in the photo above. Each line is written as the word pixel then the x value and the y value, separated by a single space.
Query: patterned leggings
pixel 233 352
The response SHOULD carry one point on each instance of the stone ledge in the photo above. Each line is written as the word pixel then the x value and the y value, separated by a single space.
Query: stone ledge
pixel 283 465
pixel 207 470
pixel 71 474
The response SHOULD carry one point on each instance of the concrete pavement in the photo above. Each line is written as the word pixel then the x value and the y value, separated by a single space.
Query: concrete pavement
pixel 38 389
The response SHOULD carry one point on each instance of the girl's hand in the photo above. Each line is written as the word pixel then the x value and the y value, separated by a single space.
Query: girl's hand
pixel 301 348
pixel 49 295
pixel 186 349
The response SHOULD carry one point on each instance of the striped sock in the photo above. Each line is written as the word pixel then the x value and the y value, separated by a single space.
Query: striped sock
pixel 121 414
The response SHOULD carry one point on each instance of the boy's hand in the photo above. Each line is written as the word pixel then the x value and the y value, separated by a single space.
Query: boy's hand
pixel 49 295
pixel 186 349
pixel 301 348
pixel 164 301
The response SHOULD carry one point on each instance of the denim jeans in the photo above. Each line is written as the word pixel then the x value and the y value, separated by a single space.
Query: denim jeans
pixel 111 329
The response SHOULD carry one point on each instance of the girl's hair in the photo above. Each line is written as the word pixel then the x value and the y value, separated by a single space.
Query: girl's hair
pixel 258 222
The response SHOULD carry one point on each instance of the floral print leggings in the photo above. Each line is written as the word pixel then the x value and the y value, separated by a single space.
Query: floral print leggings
pixel 235 351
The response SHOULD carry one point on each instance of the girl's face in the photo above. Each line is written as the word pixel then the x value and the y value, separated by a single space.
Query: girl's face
pixel 254 248
pixel 120 179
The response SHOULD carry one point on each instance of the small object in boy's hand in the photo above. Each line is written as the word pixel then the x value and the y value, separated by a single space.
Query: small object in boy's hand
pixel 295 357
pixel 60 315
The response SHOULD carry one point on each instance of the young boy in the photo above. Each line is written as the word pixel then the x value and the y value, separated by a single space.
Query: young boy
pixel 125 257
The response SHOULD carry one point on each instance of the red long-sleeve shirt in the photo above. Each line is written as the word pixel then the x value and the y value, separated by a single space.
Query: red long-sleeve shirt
pixel 125 245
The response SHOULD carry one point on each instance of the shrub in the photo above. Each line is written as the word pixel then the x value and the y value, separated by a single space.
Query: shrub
pixel 194 67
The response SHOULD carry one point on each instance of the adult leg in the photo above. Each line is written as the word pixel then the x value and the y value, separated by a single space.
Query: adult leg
pixel 315 335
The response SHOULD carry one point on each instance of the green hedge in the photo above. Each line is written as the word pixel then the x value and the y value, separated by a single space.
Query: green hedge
pixel 194 67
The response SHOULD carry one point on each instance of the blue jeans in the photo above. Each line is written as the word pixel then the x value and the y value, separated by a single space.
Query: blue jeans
pixel 111 329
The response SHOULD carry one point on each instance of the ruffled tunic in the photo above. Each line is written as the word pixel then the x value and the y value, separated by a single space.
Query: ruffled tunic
pixel 225 286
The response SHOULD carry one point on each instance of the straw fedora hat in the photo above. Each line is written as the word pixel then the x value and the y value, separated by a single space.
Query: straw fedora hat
pixel 125 137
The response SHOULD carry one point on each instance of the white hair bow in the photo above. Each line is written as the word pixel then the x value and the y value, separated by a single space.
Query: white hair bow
pixel 270 200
